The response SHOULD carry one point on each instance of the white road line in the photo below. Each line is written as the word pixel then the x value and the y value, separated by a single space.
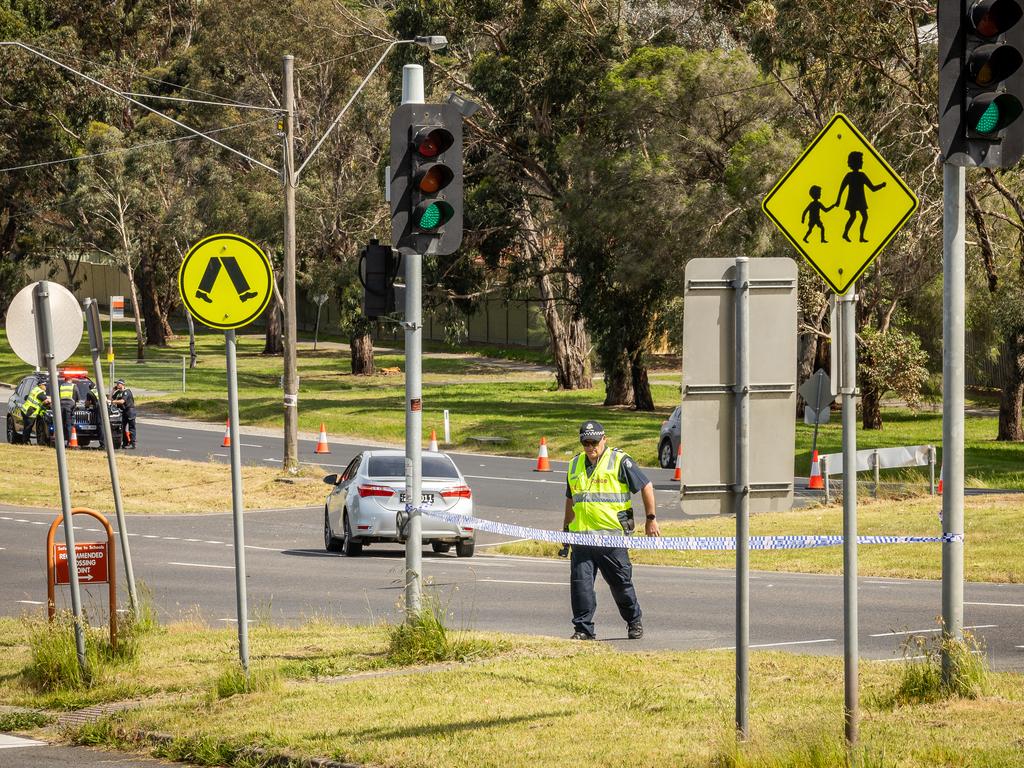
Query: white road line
pixel 192 540
pixel 273 460
pixel 905 658
pixel 235 621
pixel 775 645
pixel 149 536
pixel 30 602
pixel 250 445
pixel 221 455
pixel 926 631
pixel 998 605
pixel 205 565
pixel 42 522
pixel 16 742
pixel 888 583
pixel 213 542
pixel 1019 646
pixel 171 538
pixel 174 450
pixel 513 581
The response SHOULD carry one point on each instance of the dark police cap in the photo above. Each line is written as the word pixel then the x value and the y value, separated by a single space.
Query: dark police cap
pixel 591 430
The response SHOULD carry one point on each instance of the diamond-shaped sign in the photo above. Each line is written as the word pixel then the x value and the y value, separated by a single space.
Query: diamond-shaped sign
pixel 840 204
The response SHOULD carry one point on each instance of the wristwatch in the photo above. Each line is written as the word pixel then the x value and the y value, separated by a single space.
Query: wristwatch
pixel 651 517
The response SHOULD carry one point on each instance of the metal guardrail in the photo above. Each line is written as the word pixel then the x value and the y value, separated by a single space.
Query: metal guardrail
pixel 877 459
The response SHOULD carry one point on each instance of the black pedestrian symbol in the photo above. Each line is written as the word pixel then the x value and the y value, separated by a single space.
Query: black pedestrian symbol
pixel 230 263
pixel 813 213
pixel 853 184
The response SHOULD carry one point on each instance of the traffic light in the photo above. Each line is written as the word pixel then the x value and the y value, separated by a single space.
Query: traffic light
pixel 426 179
pixel 378 266
pixel 981 82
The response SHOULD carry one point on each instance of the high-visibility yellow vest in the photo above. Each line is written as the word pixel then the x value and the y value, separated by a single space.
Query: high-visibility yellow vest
pixel 34 402
pixel 67 391
pixel 598 499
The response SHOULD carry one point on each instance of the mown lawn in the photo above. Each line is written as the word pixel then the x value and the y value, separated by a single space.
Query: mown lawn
pixel 533 702
pixel 994 539
pixel 485 398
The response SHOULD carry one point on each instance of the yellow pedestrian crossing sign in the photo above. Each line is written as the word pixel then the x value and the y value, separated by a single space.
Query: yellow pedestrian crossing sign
pixel 225 281
pixel 840 204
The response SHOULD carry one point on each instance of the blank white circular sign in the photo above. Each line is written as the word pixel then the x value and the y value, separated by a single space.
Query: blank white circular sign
pixel 67 321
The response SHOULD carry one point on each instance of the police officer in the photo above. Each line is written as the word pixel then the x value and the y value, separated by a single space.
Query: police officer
pixel 36 402
pixel 67 406
pixel 599 488
pixel 125 400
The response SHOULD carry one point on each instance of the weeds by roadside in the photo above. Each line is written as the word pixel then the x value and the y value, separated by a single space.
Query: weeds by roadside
pixel 23 721
pixel 426 639
pixel 922 680
pixel 234 680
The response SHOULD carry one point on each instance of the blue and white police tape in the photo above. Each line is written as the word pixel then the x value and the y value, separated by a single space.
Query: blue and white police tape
pixel 674 542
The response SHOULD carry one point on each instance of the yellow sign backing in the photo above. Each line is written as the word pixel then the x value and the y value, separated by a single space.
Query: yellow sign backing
pixel 840 204
pixel 225 281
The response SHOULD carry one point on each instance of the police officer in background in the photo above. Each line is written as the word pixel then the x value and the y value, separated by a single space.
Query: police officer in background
pixel 67 406
pixel 599 488
pixel 125 400
pixel 34 405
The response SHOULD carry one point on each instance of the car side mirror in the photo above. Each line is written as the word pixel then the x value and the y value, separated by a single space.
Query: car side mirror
pixel 331 479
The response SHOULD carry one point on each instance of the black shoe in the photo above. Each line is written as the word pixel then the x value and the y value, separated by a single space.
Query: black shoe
pixel 635 630
pixel 132 446
pixel 577 635
pixel 244 297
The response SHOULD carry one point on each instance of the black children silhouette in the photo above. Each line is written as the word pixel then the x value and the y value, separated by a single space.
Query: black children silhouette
pixel 856 201
pixel 813 213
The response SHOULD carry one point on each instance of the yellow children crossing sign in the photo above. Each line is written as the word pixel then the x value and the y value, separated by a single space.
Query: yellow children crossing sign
pixel 840 204
pixel 225 281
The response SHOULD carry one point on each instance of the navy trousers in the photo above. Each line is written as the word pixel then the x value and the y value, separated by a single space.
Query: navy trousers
pixel 617 571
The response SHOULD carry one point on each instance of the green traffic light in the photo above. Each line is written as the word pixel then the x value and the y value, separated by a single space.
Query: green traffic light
pixel 989 119
pixel 431 217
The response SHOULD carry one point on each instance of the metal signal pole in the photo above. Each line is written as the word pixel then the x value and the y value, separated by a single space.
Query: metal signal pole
pixel 289 177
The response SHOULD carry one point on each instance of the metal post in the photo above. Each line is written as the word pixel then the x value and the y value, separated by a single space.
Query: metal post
pixel 931 469
pixel 412 93
pixel 236 503
pixel 953 287
pixel 876 465
pixel 741 494
pixel 828 485
pixel 316 331
pixel 182 373
pixel 95 327
pixel 849 390
pixel 290 179
pixel 44 337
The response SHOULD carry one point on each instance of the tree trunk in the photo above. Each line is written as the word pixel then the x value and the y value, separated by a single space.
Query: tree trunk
pixel 871 407
pixel 140 350
pixel 642 399
pixel 1010 399
pixel 273 343
pixel 361 345
pixel 618 381
pixel 570 344
pixel 158 330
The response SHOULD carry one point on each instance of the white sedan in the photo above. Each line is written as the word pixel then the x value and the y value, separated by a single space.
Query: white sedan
pixel 367 497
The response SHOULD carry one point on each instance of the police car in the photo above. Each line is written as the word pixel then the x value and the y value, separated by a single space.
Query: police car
pixel 84 414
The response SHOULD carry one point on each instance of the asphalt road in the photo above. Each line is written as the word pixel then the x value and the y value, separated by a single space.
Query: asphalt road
pixel 188 563
pixel 18 752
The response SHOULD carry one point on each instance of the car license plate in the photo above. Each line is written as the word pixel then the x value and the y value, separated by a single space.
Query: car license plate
pixel 426 498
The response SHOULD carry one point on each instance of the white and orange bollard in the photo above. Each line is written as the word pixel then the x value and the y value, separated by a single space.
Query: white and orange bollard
pixel 321 443
pixel 543 465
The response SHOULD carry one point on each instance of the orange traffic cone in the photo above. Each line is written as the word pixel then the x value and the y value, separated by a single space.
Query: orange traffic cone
pixel 433 440
pixel 73 442
pixel 940 479
pixel 817 482
pixel 321 444
pixel 543 465
pixel 227 434
pixel 678 474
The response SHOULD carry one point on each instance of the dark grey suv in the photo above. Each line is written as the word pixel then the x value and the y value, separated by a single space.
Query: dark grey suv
pixel 668 441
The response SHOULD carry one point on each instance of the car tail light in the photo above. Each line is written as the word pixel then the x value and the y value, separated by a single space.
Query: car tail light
pixel 457 492
pixel 375 490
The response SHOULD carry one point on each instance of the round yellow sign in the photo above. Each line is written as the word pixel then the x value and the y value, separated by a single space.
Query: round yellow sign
pixel 225 281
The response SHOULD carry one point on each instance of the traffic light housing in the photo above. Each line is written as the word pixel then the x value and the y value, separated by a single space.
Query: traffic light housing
pixel 378 266
pixel 426 179
pixel 981 82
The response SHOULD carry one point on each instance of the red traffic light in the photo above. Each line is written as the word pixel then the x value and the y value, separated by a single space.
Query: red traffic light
pixel 991 18
pixel 431 142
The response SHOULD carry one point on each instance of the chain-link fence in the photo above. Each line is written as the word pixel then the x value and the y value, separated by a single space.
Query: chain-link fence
pixel 161 375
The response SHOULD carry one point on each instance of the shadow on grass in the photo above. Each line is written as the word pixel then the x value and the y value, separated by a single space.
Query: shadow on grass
pixel 445 728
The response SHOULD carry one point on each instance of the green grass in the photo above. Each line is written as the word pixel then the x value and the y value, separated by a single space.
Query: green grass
pixel 994 528
pixel 484 399
pixel 538 703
